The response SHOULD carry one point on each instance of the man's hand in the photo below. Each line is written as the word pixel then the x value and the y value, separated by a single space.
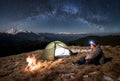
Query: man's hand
pixel 88 57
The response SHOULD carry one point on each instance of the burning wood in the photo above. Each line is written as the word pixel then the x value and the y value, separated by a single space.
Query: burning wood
pixel 32 65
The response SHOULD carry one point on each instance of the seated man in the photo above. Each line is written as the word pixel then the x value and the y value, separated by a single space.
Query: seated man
pixel 96 55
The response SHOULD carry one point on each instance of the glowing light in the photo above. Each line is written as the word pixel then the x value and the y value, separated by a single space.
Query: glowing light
pixel 31 63
pixel 91 42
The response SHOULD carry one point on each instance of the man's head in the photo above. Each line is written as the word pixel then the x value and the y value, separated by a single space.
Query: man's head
pixel 92 44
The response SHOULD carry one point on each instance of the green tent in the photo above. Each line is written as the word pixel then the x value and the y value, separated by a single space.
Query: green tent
pixel 55 49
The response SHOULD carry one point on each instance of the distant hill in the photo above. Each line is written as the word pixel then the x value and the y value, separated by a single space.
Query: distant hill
pixel 15 31
pixel 112 40
pixel 12 43
pixel 28 41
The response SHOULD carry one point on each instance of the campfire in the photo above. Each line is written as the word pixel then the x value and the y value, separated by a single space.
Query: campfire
pixel 32 63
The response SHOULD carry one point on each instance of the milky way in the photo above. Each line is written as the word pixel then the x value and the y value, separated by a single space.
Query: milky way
pixel 61 15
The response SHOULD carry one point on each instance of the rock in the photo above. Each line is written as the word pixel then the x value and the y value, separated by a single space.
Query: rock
pixel 108 78
pixel 71 75
pixel 118 79
pixel 92 73
pixel 85 76
pixel 16 63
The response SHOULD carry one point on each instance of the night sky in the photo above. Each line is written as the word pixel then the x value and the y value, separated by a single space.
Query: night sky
pixel 75 16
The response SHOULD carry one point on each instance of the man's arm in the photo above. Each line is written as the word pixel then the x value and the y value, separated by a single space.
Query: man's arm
pixel 96 53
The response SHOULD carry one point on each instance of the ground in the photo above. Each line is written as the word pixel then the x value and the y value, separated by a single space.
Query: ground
pixel 12 68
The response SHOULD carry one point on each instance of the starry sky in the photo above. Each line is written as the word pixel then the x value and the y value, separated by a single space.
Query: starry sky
pixel 61 15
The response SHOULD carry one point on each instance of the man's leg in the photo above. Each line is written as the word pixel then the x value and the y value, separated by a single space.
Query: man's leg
pixel 93 61
pixel 81 60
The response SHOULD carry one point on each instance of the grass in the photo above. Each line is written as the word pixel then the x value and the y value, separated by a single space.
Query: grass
pixel 12 68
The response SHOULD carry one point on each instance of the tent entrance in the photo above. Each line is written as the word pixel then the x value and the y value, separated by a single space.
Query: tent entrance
pixel 61 52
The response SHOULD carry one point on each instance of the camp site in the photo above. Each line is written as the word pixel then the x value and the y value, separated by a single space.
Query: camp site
pixel 54 63
pixel 59 40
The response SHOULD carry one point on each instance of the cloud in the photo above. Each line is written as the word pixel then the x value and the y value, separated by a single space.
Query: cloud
pixel 70 9
pixel 100 28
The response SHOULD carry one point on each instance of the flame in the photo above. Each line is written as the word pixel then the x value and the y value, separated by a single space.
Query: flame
pixel 32 65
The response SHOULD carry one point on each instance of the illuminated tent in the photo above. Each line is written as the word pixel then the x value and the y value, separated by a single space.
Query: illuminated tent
pixel 55 50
